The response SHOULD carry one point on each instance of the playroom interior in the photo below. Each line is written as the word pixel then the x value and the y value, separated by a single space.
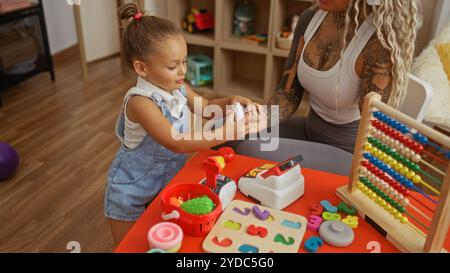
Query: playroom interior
pixel 62 84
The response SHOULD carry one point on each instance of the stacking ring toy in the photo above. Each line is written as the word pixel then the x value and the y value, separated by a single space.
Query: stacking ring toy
pixel 165 236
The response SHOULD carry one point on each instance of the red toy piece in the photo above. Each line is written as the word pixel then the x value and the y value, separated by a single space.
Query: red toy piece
pixel 227 153
pixel 213 165
pixel 316 209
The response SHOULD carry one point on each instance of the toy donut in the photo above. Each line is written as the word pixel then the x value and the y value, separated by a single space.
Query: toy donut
pixel 165 236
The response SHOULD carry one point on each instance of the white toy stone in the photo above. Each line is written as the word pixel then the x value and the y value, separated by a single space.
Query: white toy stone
pixel 238 111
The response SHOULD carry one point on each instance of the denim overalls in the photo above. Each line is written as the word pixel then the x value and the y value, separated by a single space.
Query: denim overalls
pixel 137 175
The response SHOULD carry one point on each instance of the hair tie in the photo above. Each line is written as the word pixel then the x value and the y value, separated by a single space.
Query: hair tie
pixel 138 16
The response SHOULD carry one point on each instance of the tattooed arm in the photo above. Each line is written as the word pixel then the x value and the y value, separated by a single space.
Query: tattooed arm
pixel 376 74
pixel 288 101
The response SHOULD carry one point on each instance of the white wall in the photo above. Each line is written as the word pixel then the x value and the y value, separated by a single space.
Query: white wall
pixel 100 27
pixel 156 7
pixel 60 22
pixel 441 16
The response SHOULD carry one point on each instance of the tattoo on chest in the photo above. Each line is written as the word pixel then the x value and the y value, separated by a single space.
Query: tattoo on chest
pixel 327 53
pixel 339 19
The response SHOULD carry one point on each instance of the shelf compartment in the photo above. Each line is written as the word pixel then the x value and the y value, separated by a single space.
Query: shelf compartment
pixel 277 71
pixel 181 8
pixel 260 24
pixel 284 10
pixel 242 73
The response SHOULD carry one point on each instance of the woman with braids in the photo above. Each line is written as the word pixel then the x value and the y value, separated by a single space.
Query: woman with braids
pixel 342 50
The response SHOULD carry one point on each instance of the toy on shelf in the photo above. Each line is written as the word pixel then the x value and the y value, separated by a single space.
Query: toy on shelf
pixel 243 18
pixel 165 237
pixel 221 185
pixel 198 20
pixel 258 38
pixel 285 36
pixel 275 186
pixel 393 185
pixel 246 227
pixel 199 70
pixel 192 224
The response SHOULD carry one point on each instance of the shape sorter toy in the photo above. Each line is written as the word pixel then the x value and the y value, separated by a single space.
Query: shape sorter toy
pixel 246 227
pixel 275 186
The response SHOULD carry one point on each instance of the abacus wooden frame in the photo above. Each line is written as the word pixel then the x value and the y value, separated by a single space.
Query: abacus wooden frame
pixel 403 236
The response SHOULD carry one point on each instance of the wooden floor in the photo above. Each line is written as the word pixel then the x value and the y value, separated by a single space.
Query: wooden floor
pixel 64 134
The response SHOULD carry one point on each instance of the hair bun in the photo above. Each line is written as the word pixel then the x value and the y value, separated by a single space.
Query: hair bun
pixel 127 12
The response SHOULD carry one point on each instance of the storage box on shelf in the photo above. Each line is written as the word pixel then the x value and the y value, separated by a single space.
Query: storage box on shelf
pixel 240 67
pixel 284 10
pixel 205 90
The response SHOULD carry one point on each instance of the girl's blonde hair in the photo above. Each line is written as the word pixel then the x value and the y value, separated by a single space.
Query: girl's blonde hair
pixel 395 22
pixel 142 32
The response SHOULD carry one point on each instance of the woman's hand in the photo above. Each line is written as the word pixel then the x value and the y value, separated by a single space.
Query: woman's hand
pixel 250 106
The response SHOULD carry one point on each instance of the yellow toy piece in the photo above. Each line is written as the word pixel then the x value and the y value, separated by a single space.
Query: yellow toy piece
pixel 351 221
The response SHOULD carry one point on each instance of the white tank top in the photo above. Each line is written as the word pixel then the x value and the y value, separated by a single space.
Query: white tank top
pixel 134 132
pixel 334 94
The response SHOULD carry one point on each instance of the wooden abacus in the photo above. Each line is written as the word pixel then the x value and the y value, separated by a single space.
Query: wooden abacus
pixel 385 186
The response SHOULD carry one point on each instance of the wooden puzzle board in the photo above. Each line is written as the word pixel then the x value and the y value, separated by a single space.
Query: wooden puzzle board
pixel 288 228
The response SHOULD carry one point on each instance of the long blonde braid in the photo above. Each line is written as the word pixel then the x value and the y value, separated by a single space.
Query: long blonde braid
pixel 395 22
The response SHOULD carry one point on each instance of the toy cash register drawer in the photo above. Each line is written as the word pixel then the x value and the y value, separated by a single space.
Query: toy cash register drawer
pixel 274 186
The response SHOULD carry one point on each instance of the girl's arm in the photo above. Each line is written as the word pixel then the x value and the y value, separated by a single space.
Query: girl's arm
pixel 145 112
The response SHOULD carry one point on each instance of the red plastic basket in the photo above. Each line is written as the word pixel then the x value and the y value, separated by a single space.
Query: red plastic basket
pixel 193 225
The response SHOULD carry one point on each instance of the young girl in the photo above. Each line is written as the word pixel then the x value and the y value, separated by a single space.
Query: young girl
pixel 150 155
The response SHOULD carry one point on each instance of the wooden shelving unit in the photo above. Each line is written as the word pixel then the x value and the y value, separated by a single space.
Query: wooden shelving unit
pixel 34 16
pixel 240 67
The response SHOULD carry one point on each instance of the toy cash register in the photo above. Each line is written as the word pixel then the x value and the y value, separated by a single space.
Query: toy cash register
pixel 274 186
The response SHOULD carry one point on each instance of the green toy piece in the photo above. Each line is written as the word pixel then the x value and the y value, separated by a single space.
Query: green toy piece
pixel 342 207
pixel 199 206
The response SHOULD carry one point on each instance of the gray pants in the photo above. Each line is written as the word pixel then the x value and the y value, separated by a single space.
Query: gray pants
pixel 313 128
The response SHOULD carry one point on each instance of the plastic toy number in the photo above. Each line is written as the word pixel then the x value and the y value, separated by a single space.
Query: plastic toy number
pixel 74 246
pixel 313 244
pixel 375 246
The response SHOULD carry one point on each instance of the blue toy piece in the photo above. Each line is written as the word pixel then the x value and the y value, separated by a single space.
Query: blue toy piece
pixel 243 19
pixel 199 70
pixel 9 160
pixel 313 243
pixel 328 206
